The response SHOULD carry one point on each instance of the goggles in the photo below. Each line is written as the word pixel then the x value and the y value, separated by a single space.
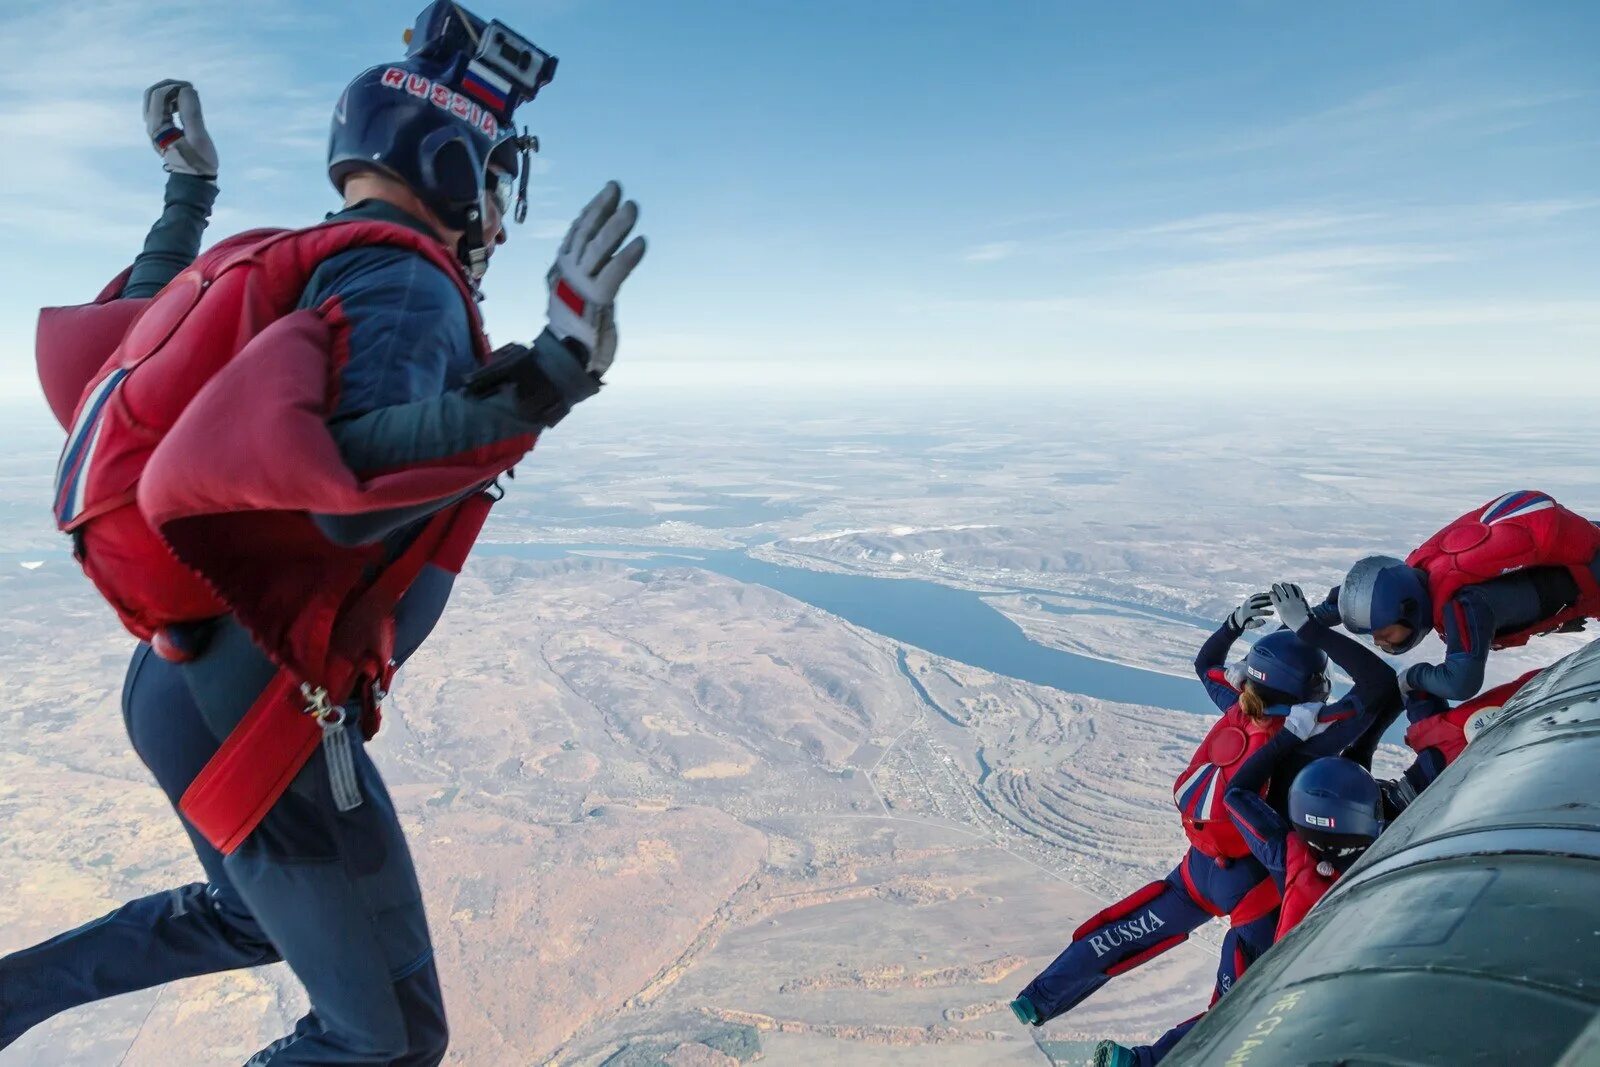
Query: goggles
pixel 513 156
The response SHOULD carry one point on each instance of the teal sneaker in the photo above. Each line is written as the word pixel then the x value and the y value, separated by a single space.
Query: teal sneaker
pixel 1111 1054
pixel 1025 1012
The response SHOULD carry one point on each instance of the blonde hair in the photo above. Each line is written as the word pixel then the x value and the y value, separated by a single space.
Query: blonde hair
pixel 1250 702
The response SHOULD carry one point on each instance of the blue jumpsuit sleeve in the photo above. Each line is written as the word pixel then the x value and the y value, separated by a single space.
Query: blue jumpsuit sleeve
pixel 1265 832
pixel 1398 793
pixel 425 430
pixel 1263 829
pixel 1469 626
pixel 402 400
pixel 1327 612
pixel 174 240
pixel 409 336
pixel 1362 715
pixel 1376 691
pixel 1354 732
pixel 1212 657
pixel 1257 771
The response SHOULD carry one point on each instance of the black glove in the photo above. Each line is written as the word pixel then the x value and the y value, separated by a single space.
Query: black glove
pixel 549 378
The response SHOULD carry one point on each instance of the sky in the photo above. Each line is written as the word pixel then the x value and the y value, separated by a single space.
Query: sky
pixel 1265 197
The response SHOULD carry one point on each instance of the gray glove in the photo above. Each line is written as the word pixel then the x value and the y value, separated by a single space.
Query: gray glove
pixel 1252 613
pixel 1406 685
pixel 185 149
pixel 1290 604
pixel 588 270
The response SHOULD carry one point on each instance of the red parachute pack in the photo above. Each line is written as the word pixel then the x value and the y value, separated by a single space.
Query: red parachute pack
pixel 1521 529
pixel 1303 885
pixel 73 343
pixel 1199 790
pixel 173 347
pixel 194 461
pixel 1450 732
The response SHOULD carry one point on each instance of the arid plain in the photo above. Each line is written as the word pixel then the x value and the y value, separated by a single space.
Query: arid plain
pixel 668 814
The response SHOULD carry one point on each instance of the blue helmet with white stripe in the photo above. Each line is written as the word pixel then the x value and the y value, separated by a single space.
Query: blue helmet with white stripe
pixel 440 120
pixel 1287 670
pixel 1336 808
pixel 1381 591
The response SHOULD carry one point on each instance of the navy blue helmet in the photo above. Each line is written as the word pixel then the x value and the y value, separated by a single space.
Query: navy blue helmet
pixel 441 120
pixel 1286 670
pixel 1336 808
pixel 1381 591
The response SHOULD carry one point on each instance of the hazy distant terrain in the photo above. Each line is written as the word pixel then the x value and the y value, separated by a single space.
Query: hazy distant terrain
pixel 663 814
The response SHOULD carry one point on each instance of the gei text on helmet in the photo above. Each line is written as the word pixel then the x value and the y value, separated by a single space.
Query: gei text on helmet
pixel 444 98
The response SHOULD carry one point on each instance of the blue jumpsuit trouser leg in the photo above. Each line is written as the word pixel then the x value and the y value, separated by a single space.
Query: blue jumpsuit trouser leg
pixel 1241 946
pixel 332 893
pixel 1144 925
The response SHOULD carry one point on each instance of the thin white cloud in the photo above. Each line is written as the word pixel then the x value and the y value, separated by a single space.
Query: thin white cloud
pixel 1542 210
pixel 1252 227
pixel 1356 317
pixel 1326 270
pixel 1313 253
pixel 82 146
pixel 1297 225
pixel 1396 113
pixel 992 252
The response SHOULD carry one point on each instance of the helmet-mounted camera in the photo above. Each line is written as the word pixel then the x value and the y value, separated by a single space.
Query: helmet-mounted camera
pixel 503 69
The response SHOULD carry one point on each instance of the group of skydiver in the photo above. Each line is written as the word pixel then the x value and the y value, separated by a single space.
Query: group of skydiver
pixel 1279 800
pixel 279 454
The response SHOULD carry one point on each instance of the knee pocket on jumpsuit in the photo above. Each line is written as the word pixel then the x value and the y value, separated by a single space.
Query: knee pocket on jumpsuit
pixel 372 849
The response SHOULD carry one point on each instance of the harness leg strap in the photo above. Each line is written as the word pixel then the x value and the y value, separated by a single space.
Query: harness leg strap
pixel 257 761
pixel 261 756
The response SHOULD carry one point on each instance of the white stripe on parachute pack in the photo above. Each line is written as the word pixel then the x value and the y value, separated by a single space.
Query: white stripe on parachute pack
pixel 1538 503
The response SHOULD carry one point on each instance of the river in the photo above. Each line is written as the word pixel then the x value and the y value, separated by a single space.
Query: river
pixel 958 624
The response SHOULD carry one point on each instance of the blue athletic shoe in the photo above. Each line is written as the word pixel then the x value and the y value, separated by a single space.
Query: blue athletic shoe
pixel 1111 1054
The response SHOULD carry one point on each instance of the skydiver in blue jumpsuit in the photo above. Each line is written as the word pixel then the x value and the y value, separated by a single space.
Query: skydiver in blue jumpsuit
pixel 331 891
pixel 1391 604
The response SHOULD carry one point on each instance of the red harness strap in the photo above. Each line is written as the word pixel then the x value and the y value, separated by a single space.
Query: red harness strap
pixel 257 761
pixel 261 756
pixel 1253 905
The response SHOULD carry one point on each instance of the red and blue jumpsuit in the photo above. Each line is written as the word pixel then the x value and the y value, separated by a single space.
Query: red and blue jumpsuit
pixel 1161 915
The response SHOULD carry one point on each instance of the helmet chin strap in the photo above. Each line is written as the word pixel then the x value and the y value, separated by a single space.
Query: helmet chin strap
pixel 471 250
